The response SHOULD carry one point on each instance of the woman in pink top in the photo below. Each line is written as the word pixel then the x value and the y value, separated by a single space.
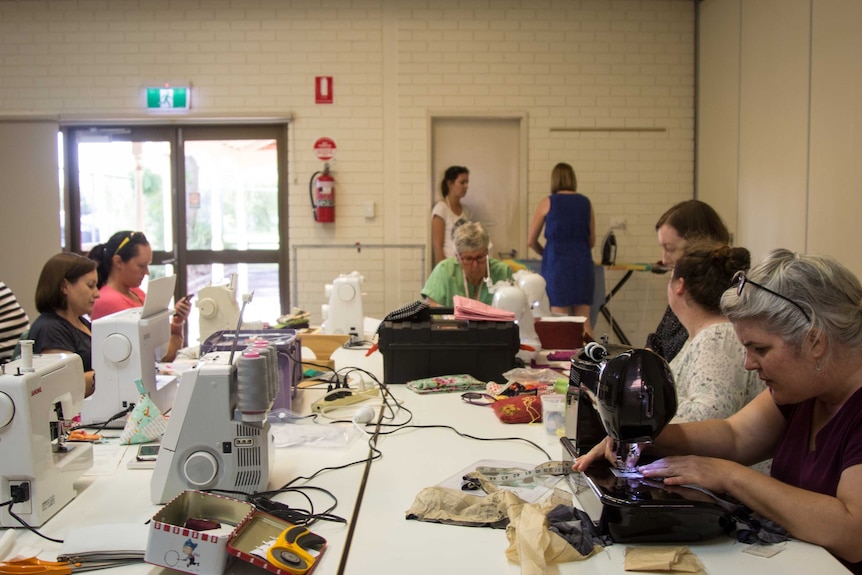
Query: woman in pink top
pixel 123 261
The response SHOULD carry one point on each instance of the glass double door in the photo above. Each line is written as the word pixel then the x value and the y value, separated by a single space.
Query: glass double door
pixel 210 199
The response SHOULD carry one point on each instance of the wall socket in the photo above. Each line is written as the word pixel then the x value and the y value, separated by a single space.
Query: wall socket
pixel 618 223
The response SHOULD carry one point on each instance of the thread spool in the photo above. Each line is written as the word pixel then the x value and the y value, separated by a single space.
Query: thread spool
pixel 252 393
pixel 27 355
pixel 269 351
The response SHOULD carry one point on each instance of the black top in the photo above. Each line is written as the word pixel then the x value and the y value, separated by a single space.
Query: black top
pixel 50 331
pixel 669 336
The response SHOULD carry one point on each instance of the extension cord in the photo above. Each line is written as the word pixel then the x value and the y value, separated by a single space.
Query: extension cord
pixel 342 397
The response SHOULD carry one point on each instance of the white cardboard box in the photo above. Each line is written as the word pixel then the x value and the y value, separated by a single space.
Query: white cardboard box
pixel 170 544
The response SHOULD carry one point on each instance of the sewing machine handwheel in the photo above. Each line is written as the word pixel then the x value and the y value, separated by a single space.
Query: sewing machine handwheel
pixel 200 469
pixel 7 409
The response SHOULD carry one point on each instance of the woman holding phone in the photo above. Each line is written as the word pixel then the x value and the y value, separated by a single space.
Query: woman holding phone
pixel 122 262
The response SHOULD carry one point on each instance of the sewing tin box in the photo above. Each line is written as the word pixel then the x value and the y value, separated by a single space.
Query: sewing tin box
pixel 171 545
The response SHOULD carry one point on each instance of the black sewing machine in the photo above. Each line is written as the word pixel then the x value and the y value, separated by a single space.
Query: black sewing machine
pixel 630 396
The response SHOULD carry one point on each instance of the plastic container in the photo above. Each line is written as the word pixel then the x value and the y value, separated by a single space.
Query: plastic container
pixel 554 415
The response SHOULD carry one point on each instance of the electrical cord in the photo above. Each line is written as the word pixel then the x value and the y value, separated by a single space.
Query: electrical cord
pixel 24 524
pixel 103 424
pixel 264 501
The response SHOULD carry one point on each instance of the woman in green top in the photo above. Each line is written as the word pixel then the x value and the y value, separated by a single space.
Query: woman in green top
pixel 466 273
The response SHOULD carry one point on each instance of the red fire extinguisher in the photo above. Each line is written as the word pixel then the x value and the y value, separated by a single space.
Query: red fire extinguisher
pixel 321 190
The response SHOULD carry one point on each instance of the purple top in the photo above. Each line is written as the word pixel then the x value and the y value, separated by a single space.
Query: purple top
pixel 838 446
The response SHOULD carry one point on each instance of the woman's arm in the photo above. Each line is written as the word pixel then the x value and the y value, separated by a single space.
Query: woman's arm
pixel 537 224
pixel 181 312
pixel 438 233
pixel 748 437
pixel 592 227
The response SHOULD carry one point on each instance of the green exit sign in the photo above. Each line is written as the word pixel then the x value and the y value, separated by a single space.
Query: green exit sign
pixel 168 98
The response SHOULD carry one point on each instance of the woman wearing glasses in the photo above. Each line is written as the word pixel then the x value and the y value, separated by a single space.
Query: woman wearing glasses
pixel 711 380
pixel 800 320
pixel 683 222
pixel 570 234
pixel 466 273
pixel 123 262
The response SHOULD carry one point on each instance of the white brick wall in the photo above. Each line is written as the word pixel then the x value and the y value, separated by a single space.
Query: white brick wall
pixel 564 63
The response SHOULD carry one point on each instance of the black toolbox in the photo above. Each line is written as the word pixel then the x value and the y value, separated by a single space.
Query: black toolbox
pixel 435 345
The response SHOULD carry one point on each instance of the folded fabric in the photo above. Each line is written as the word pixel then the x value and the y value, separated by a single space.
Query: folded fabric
pixel 664 559
pixel 445 383
pixel 466 308
pixel 519 409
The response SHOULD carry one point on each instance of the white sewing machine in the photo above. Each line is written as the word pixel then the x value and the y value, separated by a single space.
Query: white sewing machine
pixel 37 393
pixel 535 286
pixel 218 307
pixel 344 313
pixel 126 347
pixel 218 436
pixel 511 297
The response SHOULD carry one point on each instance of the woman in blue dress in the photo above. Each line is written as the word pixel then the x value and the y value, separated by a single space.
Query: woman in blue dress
pixel 570 234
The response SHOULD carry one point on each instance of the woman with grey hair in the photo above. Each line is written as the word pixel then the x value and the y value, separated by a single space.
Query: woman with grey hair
pixel 800 321
pixel 466 273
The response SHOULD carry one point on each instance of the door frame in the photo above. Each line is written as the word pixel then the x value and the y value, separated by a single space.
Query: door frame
pixel 179 255
pixel 522 191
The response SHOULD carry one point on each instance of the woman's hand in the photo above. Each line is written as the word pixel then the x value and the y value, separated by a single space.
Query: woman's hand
pixel 708 472
pixel 182 310
pixel 604 448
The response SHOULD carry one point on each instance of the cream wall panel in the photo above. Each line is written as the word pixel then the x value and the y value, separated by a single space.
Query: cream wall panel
pixel 561 63
pixel 718 108
pixel 836 132
pixel 773 149
pixel 30 233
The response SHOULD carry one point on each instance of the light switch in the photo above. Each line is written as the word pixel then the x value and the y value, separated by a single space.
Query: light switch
pixel 368 210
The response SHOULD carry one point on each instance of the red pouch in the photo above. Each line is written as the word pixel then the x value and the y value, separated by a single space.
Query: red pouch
pixel 519 409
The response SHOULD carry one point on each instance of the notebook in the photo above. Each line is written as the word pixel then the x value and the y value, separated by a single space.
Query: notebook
pixel 159 294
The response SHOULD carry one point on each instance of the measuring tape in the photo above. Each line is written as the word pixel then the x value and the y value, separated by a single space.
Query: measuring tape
pixel 510 476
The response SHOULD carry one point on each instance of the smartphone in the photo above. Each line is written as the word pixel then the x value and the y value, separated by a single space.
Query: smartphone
pixel 148 452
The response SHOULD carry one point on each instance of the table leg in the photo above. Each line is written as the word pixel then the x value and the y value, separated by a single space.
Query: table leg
pixel 606 313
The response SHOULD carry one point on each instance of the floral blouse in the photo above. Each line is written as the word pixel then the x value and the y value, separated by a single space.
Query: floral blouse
pixel 711 382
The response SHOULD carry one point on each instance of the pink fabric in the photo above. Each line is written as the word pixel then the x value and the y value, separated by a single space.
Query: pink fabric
pixel 111 301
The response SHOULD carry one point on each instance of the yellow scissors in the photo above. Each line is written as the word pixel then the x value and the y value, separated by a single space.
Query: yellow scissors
pixel 34 565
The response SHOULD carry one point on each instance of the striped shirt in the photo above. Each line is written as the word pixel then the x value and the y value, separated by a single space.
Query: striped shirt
pixel 13 322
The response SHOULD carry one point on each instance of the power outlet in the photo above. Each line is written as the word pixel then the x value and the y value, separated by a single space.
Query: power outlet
pixel 23 507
